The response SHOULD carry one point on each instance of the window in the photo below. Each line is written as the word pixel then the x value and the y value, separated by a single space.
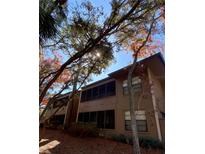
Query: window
pixel 127 125
pixel 103 119
pixel 136 88
pixel 104 90
pixel 86 117
pixel 109 119
pixel 125 90
pixel 100 119
pixel 80 117
pixel 111 88
pixel 83 96
pixel 96 92
pixel 89 94
pixel 142 125
pixel 93 116
pixel 140 120
pixel 136 85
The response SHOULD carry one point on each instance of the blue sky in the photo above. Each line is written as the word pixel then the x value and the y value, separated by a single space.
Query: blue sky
pixel 122 58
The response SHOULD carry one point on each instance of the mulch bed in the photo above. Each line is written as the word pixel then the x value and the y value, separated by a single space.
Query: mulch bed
pixel 58 142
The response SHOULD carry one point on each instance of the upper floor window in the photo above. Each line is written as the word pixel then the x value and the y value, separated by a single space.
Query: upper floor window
pixel 136 85
pixel 104 90
pixel 111 89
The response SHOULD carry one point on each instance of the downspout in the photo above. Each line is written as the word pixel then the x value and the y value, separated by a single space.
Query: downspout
pixel 154 106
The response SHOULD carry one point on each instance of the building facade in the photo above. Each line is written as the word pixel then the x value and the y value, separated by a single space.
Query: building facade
pixel 105 102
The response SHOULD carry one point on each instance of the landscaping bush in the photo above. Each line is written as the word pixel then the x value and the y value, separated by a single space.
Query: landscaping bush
pixel 120 138
pixel 83 130
pixel 145 142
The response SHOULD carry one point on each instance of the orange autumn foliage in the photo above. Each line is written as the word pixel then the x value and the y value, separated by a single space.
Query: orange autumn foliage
pixel 49 65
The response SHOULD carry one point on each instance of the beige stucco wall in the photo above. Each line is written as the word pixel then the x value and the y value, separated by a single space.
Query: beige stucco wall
pixel 159 93
pixel 120 104
pixel 106 103
pixel 102 104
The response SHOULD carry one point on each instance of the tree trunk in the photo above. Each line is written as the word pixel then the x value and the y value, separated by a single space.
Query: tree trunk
pixel 65 124
pixel 135 138
pixel 136 146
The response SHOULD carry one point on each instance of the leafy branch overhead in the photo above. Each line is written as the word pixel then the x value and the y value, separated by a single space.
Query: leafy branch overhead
pixel 51 15
pixel 79 40
pixel 87 37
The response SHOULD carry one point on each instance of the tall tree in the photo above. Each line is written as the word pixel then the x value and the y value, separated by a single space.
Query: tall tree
pixel 127 25
pixel 92 63
pixel 81 74
pixel 136 146
pixel 123 13
pixel 142 43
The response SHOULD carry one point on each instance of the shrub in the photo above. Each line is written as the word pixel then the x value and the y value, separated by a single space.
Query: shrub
pixel 145 142
pixel 83 130
pixel 120 138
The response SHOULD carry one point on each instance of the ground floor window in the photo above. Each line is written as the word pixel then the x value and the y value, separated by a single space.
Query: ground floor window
pixel 102 119
pixel 140 120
